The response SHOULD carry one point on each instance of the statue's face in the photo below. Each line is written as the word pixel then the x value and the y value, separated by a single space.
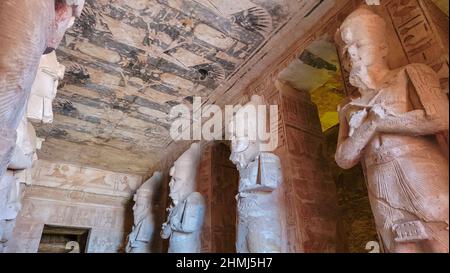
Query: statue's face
pixel 243 151
pixel 364 48
pixel 176 186
pixel 182 182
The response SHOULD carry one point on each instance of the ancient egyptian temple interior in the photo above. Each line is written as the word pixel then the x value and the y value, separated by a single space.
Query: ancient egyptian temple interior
pixel 224 126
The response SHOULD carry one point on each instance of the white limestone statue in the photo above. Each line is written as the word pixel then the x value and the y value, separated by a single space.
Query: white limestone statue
pixel 187 211
pixel 140 238
pixel 258 226
pixel 391 129
pixel 44 88
pixel 10 195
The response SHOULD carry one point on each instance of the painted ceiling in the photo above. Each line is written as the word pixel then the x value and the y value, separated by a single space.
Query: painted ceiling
pixel 128 62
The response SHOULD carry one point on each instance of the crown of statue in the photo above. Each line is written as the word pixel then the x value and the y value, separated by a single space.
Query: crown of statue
pixel 364 23
pixel 190 158
pixel 149 186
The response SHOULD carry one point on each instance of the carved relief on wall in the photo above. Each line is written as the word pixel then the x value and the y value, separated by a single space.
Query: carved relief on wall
pixel 106 216
pixel 296 114
pixel 72 177
pixel 418 36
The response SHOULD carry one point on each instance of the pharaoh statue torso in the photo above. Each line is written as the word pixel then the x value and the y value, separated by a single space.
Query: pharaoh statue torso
pixel 185 224
pixel 258 227
pixel 139 240
pixel 407 175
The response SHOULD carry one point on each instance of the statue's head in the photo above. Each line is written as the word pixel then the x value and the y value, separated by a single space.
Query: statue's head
pixel 143 197
pixel 245 142
pixel 44 88
pixel 364 35
pixel 65 13
pixel 183 173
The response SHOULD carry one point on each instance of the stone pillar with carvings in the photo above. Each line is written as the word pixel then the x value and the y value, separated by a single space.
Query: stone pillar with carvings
pixel 308 196
pixel 217 181
pixel 309 192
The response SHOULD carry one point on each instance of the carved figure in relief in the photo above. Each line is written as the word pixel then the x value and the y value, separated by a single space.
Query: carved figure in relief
pixel 187 211
pixel 140 238
pixel 258 225
pixel 391 130
pixel 244 14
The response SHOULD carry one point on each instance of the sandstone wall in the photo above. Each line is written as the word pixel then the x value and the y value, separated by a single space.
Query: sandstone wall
pixel 66 195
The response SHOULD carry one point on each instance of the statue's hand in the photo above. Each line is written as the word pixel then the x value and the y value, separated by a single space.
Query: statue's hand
pixel 356 119
pixel 166 231
pixel 378 113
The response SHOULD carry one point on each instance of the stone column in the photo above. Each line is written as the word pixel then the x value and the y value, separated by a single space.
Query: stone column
pixel 309 190
pixel 217 181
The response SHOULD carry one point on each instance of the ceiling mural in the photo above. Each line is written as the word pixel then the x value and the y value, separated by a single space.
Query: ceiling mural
pixel 128 62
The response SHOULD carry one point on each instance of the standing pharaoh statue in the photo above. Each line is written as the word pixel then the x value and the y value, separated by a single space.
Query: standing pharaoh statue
pixel 391 129
pixel 25 36
pixel 140 238
pixel 39 109
pixel 258 226
pixel 187 211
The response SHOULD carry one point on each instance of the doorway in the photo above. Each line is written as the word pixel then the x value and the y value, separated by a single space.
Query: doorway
pixel 56 239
